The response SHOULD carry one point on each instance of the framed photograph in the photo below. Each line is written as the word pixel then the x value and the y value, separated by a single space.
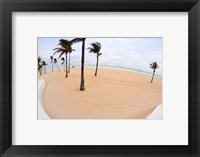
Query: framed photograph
pixel 100 78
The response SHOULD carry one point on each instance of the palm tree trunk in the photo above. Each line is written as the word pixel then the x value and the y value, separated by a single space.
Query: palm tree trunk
pixel 52 67
pixel 97 65
pixel 69 63
pixel 57 67
pixel 82 88
pixel 153 75
pixel 66 67
pixel 40 72
pixel 45 69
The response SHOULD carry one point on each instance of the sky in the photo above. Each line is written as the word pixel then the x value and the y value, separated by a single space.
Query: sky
pixel 126 53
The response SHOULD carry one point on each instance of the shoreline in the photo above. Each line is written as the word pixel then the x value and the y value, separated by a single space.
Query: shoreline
pixel 112 94
pixel 117 68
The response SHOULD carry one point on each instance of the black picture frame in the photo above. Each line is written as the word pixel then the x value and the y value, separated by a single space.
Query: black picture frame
pixel 9 6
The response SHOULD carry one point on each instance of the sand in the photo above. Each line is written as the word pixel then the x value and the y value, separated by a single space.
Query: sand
pixel 112 94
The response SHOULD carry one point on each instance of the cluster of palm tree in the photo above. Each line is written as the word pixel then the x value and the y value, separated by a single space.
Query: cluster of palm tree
pixel 41 65
pixel 54 61
pixel 65 49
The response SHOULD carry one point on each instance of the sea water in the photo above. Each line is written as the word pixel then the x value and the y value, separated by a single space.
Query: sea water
pixel 108 67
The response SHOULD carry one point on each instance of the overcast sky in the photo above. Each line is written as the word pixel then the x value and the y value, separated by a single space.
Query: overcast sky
pixel 131 53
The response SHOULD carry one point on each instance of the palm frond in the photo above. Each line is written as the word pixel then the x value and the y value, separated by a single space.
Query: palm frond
pixel 91 50
pixel 76 40
pixel 60 50
pixel 99 54
pixel 63 59
pixel 154 65
pixel 55 60
pixel 44 63
pixel 39 59
pixel 57 48
pixel 95 47
pixel 61 54
pixel 64 41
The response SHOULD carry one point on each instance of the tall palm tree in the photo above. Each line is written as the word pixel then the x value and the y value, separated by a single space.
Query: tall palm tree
pixel 51 58
pixel 44 64
pixel 40 65
pixel 64 49
pixel 55 62
pixel 95 48
pixel 63 62
pixel 73 41
pixel 153 66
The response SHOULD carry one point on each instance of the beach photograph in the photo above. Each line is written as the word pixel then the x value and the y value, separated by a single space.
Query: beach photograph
pixel 99 78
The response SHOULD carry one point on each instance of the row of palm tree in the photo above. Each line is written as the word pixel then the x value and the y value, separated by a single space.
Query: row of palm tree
pixel 42 64
pixel 54 61
pixel 66 48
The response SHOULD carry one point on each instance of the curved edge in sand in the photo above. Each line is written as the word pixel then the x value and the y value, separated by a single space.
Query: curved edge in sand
pixel 157 113
pixel 42 115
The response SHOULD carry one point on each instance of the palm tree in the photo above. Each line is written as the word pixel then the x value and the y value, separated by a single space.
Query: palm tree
pixel 95 48
pixel 64 49
pixel 63 62
pixel 73 41
pixel 153 66
pixel 82 87
pixel 40 65
pixel 44 65
pixel 51 58
pixel 55 62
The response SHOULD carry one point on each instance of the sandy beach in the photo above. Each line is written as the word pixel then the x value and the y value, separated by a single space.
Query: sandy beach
pixel 112 94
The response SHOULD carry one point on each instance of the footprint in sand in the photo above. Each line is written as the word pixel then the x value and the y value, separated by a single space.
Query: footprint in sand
pixel 120 108
pixel 108 105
